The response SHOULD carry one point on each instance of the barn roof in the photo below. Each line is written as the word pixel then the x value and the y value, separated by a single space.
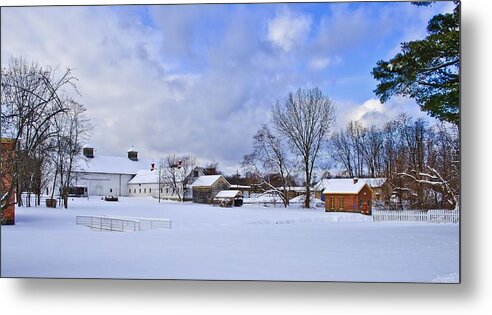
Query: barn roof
pixel 228 194
pixel 145 177
pixel 206 180
pixel 111 165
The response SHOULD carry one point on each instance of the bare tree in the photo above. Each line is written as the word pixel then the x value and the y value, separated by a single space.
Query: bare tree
pixel 270 156
pixel 343 152
pixel 175 173
pixel 305 119
pixel 73 127
pixel 31 98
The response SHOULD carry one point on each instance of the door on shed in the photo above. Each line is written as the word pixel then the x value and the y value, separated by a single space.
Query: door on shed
pixel 364 208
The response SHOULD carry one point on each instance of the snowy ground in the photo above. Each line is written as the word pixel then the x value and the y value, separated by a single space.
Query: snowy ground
pixel 247 243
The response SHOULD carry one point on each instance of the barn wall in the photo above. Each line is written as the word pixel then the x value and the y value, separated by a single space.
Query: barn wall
pixel 365 196
pixel 100 184
pixel 351 202
pixel 143 190
pixel 202 194
pixel 207 194
pixel 8 214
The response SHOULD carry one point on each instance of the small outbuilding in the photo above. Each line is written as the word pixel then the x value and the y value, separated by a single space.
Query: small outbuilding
pixel 206 187
pixel 353 196
pixel 228 198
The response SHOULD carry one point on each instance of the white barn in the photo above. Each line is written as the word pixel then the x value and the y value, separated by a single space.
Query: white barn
pixel 107 175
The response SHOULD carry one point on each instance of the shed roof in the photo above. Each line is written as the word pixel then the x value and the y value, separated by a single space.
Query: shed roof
pixel 334 183
pixel 228 194
pixel 342 186
pixel 206 180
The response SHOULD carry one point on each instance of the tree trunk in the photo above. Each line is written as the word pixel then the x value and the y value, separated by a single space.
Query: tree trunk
pixel 307 203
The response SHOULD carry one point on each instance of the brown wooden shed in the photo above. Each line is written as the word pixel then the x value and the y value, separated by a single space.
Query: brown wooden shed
pixel 355 196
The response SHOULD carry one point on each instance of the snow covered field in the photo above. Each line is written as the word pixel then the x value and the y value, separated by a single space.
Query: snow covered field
pixel 246 243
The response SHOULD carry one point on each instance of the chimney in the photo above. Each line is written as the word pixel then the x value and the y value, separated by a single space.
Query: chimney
pixel 152 166
pixel 133 154
pixel 355 180
pixel 88 151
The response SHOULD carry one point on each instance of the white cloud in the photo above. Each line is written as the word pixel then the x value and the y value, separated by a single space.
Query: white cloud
pixel 320 63
pixel 189 79
pixel 288 29
pixel 133 95
pixel 373 112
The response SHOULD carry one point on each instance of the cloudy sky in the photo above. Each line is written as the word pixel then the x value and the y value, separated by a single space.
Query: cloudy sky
pixel 201 79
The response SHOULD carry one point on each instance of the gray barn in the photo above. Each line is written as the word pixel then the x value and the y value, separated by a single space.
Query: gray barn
pixel 206 187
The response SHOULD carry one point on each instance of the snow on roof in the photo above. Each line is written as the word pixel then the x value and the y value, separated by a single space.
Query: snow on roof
pixel 332 182
pixel 145 177
pixel 112 165
pixel 240 186
pixel 228 194
pixel 206 180
pixel 341 185
pixel 87 145
pixel 293 188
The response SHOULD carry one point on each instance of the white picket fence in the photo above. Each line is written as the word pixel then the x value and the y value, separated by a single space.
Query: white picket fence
pixel 122 224
pixel 430 216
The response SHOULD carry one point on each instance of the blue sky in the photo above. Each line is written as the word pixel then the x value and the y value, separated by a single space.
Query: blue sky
pixel 201 79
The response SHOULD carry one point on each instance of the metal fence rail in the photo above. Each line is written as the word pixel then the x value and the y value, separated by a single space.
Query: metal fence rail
pixel 431 216
pixel 122 224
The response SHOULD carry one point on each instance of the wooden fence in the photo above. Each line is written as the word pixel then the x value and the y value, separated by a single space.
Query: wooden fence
pixel 430 216
pixel 122 224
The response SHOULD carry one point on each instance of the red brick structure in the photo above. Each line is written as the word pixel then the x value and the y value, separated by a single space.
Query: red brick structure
pixel 6 156
pixel 356 197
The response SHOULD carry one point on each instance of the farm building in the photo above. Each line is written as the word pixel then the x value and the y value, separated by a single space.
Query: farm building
pixel 379 186
pixel 293 191
pixel 6 188
pixel 229 198
pixel 245 190
pixel 146 184
pixel 100 175
pixel 206 187
pixel 348 196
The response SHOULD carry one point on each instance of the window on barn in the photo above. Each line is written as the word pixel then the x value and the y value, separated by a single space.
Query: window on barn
pixel 341 203
pixel 140 190
pixel 150 190
pixel 332 202
pixel 134 190
pixel 130 191
pixel 110 190
pixel 145 190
